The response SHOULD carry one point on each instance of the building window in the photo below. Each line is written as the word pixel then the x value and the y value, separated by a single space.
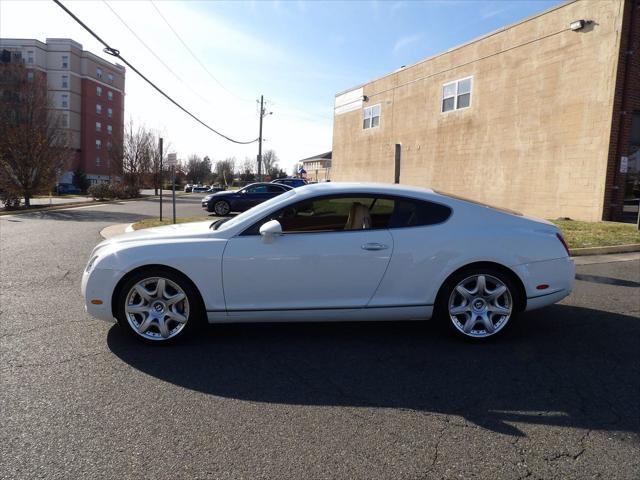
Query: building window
pixel 110 95
pixel 98 161
pixel 29 76
pixel 110 78
pixel 98 144
pixel 371 117
pixel 109 112
pixel 109 129
pixel 98 127
pixel 98 72
pixel 456 95
pixel 65 101
pixel 99 91
pixel 65 81
pixel 30 56
pixel 109 146
pixel 98 108
pixel 65 61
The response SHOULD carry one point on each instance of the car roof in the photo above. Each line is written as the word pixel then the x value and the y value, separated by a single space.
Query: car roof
pixel 369 187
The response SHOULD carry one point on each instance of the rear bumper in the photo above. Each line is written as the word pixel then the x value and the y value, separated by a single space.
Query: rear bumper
pixel 547 282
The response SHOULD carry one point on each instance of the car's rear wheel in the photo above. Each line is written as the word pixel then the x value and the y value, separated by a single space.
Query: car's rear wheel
pixel 158 306
pixel 479 304
pixel 221 207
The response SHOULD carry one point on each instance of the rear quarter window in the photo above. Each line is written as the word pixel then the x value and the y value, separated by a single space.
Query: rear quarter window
pixel 417 213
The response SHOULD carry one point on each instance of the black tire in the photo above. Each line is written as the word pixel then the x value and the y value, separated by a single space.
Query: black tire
pixel 454 323
pixel 195 309
pixel 222 208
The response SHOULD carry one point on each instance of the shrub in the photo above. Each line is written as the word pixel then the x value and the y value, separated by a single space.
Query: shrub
pixel 131 191
pixel 100 191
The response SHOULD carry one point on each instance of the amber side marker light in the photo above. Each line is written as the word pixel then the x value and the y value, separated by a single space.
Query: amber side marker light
pixel 96 301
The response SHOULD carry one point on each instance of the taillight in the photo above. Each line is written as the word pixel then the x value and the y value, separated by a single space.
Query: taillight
pixel 564 243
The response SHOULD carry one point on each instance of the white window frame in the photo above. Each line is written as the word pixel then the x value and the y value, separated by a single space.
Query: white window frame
pixel 30 57
pixel 98 72
pixel 64 101
pixel 98 144
pixel 110 78
pixel 98 109
pixel 109 129
pixel 98 91
pixel 371 117
pixel 98 126
pixel 64 62
pixel 65 81
pixel 109 112
pixel 109 95
pixel 456 94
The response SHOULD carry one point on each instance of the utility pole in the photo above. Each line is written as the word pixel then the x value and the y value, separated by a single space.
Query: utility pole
pixel 160 149
pixel 260 139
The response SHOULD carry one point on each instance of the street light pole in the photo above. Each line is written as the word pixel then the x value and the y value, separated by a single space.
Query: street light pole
pixel 160 148
pixel 260 139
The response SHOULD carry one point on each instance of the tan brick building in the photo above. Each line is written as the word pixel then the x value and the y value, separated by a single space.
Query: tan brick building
pixel 542 116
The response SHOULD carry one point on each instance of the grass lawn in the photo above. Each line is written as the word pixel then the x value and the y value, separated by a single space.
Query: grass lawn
pixel 578 234
pixel 155 222
pixel 597 234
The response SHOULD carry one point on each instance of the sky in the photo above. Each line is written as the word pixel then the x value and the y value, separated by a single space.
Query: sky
pixel 297 54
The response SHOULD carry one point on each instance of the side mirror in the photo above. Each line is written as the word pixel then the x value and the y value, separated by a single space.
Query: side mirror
pixel 269 230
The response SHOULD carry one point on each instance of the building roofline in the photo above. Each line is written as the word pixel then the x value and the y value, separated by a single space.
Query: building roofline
pixel 462 45
pixel 322 156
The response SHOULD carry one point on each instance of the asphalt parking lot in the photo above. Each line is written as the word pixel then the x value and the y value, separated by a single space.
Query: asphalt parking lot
pixel 556 397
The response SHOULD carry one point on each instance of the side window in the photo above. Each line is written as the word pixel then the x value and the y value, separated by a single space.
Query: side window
pixel 275 189
pixel 415 213
pixel 257 189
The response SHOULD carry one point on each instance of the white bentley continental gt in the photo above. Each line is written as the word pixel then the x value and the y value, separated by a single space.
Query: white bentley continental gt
pixel 333 252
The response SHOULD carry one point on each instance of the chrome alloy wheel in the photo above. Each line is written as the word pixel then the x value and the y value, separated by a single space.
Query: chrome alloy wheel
pixel 480 306
pixel 157 308
pixel 221 208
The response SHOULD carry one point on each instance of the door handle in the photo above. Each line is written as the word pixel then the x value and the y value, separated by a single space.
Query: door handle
pixel 374 246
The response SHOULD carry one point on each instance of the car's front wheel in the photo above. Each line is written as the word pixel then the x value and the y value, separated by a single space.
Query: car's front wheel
pixel 221 208
pixel 479 304
pixel 158 306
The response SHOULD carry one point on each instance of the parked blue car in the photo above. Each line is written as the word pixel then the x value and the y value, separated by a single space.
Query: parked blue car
pixel 291 181
pixel 223 203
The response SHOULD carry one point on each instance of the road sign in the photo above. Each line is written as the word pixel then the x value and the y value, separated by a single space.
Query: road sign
pixel 172 160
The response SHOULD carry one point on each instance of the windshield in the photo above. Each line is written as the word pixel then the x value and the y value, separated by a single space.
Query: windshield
pixel 258 209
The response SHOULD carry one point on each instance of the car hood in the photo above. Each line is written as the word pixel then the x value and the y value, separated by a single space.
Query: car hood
pixel 172 233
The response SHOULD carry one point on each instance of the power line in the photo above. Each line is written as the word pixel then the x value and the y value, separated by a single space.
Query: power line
pixel 195 57
pixel 116 53
pixel 154 53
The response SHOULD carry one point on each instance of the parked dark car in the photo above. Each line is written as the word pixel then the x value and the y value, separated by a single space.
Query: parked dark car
pixel 67 189
pixel 291 181
pixel 216 189
pixel 223 203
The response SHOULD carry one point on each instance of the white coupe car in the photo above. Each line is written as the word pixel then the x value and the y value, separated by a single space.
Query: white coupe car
pixel 333 252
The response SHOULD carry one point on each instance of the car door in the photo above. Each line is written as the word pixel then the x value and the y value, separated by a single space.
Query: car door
pixel 252 196
pixel 314 264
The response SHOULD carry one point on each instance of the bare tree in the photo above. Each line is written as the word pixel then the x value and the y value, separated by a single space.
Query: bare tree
pixel 198 169
pixel 225 170
pixel 269 159
pixel 247 171
pixel 133 155
pixel 34 145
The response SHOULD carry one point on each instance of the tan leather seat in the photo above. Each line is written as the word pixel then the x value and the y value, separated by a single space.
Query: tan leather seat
pixel 359 217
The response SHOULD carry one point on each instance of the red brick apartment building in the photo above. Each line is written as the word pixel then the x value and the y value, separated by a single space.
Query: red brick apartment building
pixel 88 92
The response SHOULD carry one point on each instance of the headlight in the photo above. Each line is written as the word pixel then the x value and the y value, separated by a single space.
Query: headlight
pixel 90 264
pixel 207 198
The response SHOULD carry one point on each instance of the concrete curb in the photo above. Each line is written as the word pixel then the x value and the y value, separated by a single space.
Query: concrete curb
pixel 95 203
pixel 579 252
pixel 117 229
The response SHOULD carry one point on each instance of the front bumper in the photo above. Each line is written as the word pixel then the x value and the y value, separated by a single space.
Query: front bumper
pixel 99 284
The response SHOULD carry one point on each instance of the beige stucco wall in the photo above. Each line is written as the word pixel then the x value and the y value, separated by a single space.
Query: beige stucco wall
pixel 535 137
